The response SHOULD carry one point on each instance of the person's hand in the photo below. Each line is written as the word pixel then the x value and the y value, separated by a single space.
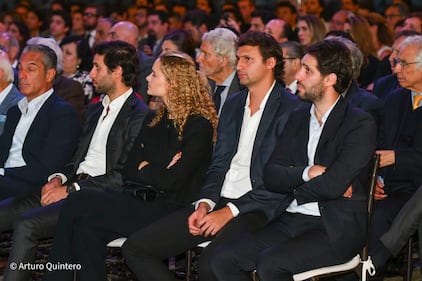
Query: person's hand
pixel 53 195
pixel 142 164
pixel 176 158
pixel 147 50
pixel 53 183
pixel 214 221
pixel 387 157
pixel 349 192
pixel 196 216
pixel 379 190
pixel 316 170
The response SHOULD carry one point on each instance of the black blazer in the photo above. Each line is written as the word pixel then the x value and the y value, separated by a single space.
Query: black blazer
pixel 345 147
pixel 279 105
pixel 49 144
pixel 158 144
pixel 384 85
pixel 402 132
pixel 120 140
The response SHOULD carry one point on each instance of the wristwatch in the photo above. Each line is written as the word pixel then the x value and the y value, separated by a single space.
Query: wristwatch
pixel 71 188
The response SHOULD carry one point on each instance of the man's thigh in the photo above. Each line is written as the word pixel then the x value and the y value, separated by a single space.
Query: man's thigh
pixel 13 207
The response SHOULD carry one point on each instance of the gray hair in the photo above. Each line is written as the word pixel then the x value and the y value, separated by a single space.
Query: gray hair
pixel 357 56
pixel 52 44
pixel 223 42
pixel 7 69
pixel 49 58
pixel 293 48
pixel 417 41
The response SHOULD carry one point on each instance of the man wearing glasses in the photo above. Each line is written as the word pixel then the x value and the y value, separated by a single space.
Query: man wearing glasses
pixel 400 146
pixel 92 14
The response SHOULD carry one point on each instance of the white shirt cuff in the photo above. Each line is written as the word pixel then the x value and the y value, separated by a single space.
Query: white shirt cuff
pixel 1 172
pixel 62 176
pixel 76 185
pixel 208 201
pixel 234 209
pixel 305 175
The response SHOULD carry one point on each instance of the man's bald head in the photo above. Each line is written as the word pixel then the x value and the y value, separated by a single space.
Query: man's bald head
pixel 124 31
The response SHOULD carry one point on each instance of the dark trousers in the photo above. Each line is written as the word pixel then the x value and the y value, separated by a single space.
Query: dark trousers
pixel 30 222
pixel 10 187
pixel 406 223
pixel 89 219
pixel 146 249
pixel 292 244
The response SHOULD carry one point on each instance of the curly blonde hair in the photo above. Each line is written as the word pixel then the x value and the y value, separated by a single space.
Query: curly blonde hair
pixel 188 94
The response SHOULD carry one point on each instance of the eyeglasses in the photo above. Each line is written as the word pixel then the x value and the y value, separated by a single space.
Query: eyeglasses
pixel 289 58
pixel 90 15
pixel 402 63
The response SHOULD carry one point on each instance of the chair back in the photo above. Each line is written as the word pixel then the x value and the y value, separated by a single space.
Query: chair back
pixel 371 193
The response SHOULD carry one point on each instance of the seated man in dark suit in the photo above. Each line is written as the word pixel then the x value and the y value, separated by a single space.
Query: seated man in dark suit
pixel 400 145
pixel 9 94
pixel 319 161
pixel 109 130
pixel 233 198
pixel 388 83
pixel 217 60
pixel 41 131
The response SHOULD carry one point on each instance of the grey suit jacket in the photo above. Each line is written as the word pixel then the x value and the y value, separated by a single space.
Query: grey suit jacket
pixel 10 100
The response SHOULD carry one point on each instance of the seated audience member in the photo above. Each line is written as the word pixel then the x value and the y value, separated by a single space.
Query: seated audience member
pixel 354 94
pixel 20 31
pixel 400 143
pixel 10 45
pixel 360 30
pixel 233 197
pixel 163 172
pixel 259 18
pixel 413 22
pixel 109 130
pixel 394 13
pixel 77 62
pixel 9 94
pixel 217 60
pixel 66 88
pixel 385 84
pixel 319 161
pixel 382 36
pixel 176 40
pixel 128 32
pixel 158 25
pixel 280 30
pixel 60 25
pixel 292 56
pixel 311 29
pixel 196 22
pixel 286 11
pixel 41 131
pixel 339 19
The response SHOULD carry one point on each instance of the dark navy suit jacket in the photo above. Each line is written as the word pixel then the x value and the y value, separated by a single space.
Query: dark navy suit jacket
pixel 10 100
pixel 345 147
pixel 278 107
pixel 50 142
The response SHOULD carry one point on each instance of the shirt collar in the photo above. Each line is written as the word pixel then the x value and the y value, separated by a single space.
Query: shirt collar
pixel 263 102
pixel 117 102
pixel 34 104
pixel 325 117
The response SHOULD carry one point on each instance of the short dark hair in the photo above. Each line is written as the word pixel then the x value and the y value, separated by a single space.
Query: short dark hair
pixel 65 16
pixel 197 17
pixel 268 47
pixel 118 53
pixel 163 16
pixel 287 4
pixel 333 57
pixel 264 15
pixel 183 40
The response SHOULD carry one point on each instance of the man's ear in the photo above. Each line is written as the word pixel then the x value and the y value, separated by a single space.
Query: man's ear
pixel 270 62
pixel 51 74
pixel 330 79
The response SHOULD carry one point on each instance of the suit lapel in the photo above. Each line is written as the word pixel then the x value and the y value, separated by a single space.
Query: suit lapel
pixel 271 107
pixel 334 121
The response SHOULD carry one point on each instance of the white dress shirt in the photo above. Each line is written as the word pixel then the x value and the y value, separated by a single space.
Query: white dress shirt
pixel 315 130
pixel 237 181
pixel 29 111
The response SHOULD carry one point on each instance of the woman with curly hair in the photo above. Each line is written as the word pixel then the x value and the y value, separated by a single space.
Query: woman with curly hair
pixel 163 173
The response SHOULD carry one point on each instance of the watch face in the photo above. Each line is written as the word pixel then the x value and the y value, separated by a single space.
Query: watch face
pixel 70 188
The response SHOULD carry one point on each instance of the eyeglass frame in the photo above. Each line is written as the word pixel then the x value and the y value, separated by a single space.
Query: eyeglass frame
pixel 402 63
pixel 90 15
pixel 289 58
